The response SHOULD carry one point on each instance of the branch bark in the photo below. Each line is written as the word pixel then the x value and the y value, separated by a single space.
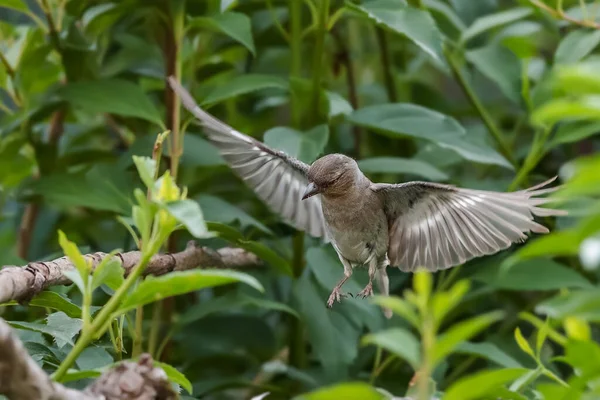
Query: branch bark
pixel 21 378
pixel 23 283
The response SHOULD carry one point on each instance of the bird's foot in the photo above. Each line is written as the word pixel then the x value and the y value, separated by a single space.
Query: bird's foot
pixel 336 295
pixel 367 291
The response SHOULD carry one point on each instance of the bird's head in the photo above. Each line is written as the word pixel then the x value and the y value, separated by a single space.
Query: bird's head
pixel 331 175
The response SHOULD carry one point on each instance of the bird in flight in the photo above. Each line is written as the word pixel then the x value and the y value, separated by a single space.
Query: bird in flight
pixel 407 225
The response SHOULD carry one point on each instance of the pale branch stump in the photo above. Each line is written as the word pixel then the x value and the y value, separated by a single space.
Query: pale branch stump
pixel 21 378
pixel 23 283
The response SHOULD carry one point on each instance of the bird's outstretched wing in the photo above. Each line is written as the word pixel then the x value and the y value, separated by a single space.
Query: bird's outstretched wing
pixel 439 226
pixel 277 178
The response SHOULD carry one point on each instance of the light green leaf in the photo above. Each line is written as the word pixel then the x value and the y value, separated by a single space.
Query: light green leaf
pixel 18 5
pixel 495 20
pixel 417 25
pixel 244 84
pixel 175 376
pixel 523 343
pixel 488 351
pixel 404 119
pixel 400 307
pixel 584 107
pixel 74 276
pixel 338 105
pixel 461 332
pixel 396 165
pixel 584 304
pixel 226 213
pixel 480 384
pixel 574 132
pixel 399 342
pixel 305 146
pixel 500 66
pixel 537 274
pixel 553 244
pixel 175 283
pixel 114 96
pixel 235 25
pixel 444 302
pixel 109 271
pixel 576 45
pixel 188 213
pixel 580 78
pixel 146 167
pixel 70 250
pixel 346 391
pixel 444 9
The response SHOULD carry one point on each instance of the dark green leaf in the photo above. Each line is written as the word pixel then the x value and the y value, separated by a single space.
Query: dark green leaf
pixel 495 20
pixel 305 146
pixel 403 119
pixel 501 66
pixel 584 304
pixel 574 132
pixel 396 165
pixel 188 213
pixel 268 255
pixel 114 96
pixel 235 25
pixel 244 84
pixel 576 45
pixel 93 358
pixel 489 351
pixel 18 5
pixel 53 301
pixel 399 342
pixel 59 325
pixel 175 283
pixel 415 24
pixel 226 213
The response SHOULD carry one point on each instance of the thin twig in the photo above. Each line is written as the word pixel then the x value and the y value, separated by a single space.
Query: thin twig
pixel 560 14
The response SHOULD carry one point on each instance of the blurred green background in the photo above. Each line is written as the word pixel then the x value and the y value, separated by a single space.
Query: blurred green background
pixel 488 94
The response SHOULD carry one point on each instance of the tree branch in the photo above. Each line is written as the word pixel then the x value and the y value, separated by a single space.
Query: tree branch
pixel 23 283
pixel 21 378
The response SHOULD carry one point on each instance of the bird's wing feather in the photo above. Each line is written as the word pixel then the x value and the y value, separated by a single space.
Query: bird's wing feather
pixel 439 226
pixel 277 178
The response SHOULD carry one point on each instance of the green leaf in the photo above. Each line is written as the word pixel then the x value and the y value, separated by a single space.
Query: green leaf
pixel 346 391
pixel 59 325
pixel 461 332
pixel 584 304
pixel 523 343
pixel 175 376
pixel 396 165
pixel 400 307
pixel 574 132
pixel 576 45
pixel 226 213
pixel 537 274
pixel 75 277
pixel 399 342
pixel 267 255
pixel 553 244
pixel 305 146
pixel 404 119
pixel 417 25
pixel 94 358
pixel 500 66
pixel 488 351
pixel 146 167
pixel 175 283
pixel 235 25
pixel 109 271
pixel 580 78
pixel 444 302
pixel 114 96
pixel 18 5
pixel 54 301
pixel 188 213
pixel 584 107
pixel 495 20
pixel 70 250
pixel 480 384
pixel 244 84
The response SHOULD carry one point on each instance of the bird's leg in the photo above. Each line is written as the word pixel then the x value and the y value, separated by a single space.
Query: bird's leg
pixel 368 290
pixel 336 293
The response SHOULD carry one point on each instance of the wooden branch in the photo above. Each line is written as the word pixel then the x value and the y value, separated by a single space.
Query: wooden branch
pixel 23 283
pixel 21 378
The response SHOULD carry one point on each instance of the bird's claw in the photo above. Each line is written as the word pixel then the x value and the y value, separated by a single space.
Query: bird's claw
pixel 336 295
pixel 366 292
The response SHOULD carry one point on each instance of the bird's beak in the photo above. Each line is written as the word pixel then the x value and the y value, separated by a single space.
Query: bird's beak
pixel 311 190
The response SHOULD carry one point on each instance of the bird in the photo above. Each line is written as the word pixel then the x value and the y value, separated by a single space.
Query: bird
pixel 411 226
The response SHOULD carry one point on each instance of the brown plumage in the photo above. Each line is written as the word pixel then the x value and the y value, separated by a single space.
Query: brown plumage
pixel 408 225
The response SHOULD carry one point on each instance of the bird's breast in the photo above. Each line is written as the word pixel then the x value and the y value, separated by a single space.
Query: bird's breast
pixel 358 228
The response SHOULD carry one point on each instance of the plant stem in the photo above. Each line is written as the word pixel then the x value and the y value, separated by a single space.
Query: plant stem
pixel 483 113
pixel 154 329
pixel 388 73
pixel 317 67
pixel 424 372
pixel 138 338
pixel 100 322
pixel 295 12
pixel 536 152
pixel 297 355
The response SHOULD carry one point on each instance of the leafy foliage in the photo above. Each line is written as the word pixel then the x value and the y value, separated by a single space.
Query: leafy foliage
pixel 495 95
